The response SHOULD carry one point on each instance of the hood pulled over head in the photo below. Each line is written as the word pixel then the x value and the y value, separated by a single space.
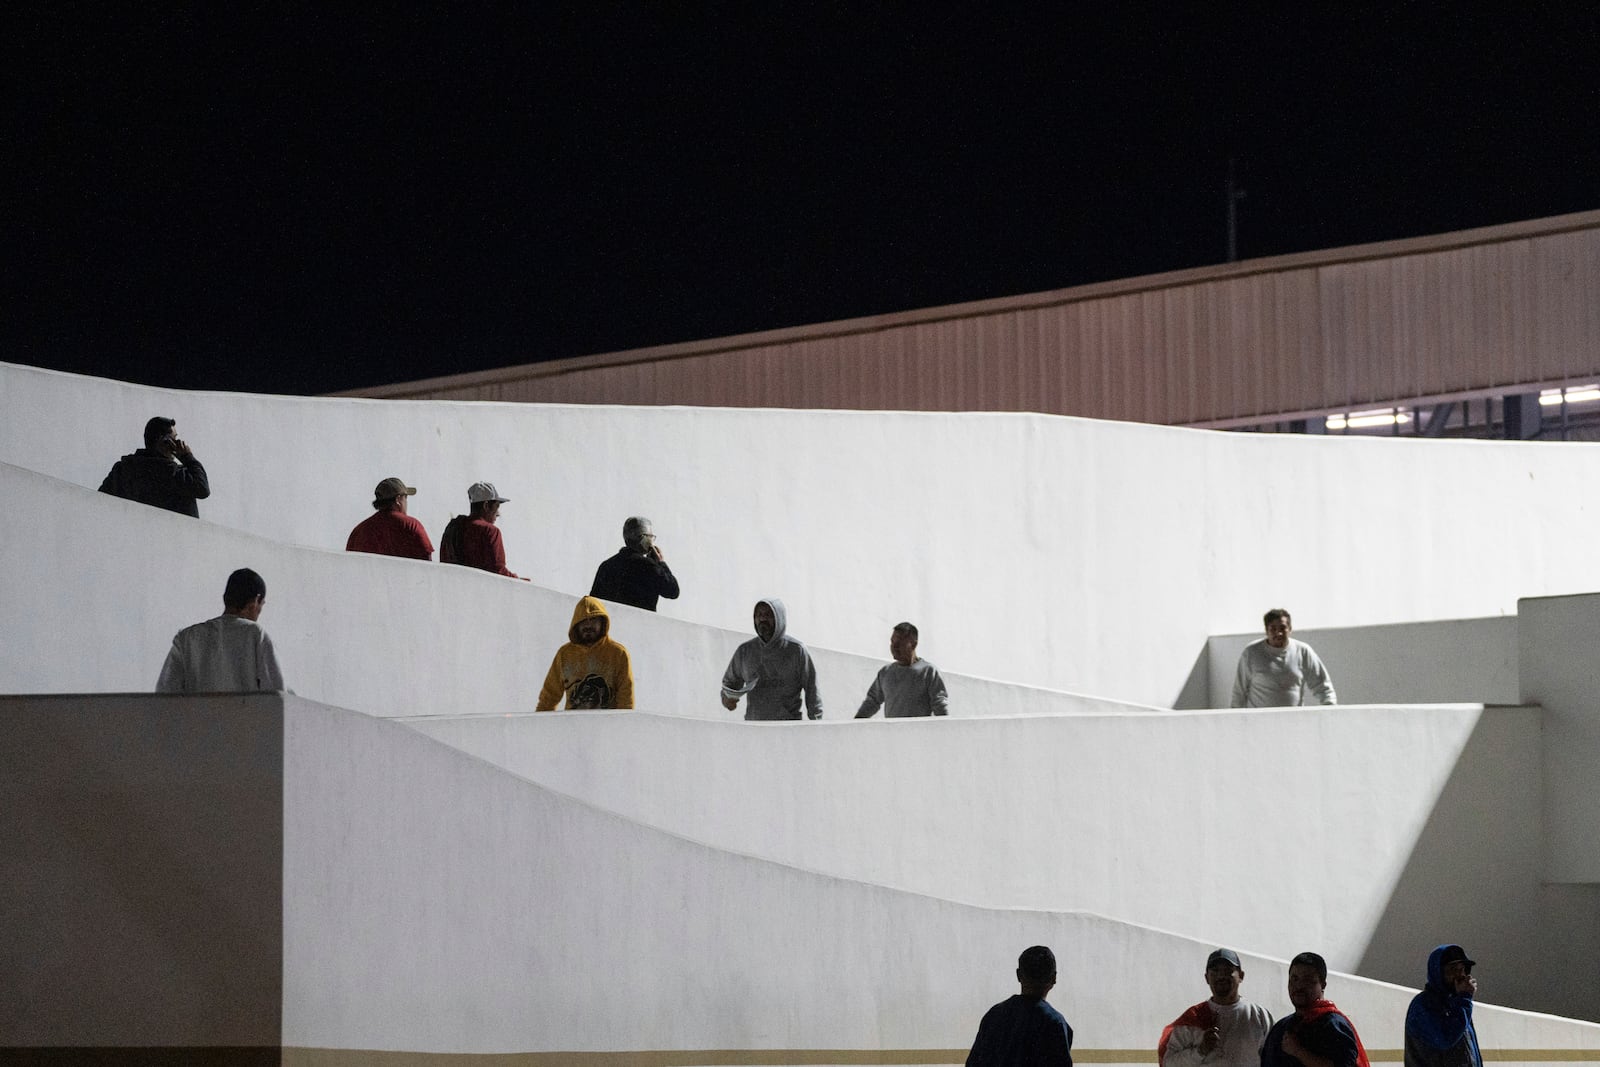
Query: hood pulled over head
pixel 589 608
pixel 780 618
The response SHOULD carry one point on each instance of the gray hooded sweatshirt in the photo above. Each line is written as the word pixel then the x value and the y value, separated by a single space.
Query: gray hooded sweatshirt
pixel 772 674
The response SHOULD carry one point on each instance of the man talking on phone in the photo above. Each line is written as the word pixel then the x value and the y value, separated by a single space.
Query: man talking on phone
pixel 638 574
pixel 163 474
pixel 1439 1030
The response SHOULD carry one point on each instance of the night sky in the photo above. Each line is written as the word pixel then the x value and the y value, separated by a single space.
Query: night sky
pixel 281 198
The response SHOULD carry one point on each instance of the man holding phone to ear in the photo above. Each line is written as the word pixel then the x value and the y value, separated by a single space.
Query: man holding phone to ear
pixel 1439 1030
pixel 638 574
pixel 163 474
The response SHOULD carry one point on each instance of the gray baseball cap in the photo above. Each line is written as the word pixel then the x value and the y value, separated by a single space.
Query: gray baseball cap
pixel 484 493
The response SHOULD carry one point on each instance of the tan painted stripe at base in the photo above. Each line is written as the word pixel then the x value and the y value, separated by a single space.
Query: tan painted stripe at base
pixel 784 1057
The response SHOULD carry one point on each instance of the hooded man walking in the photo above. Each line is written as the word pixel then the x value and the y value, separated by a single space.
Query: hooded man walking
pixel 591 669
pixel 772 669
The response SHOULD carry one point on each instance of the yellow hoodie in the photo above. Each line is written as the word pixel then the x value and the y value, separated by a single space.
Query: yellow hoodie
pixel 591 676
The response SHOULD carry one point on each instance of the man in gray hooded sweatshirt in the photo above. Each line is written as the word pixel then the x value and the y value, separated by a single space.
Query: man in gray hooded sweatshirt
pixel 772 668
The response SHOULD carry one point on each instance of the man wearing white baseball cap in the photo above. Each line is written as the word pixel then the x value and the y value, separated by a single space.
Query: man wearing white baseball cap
pixel 472 539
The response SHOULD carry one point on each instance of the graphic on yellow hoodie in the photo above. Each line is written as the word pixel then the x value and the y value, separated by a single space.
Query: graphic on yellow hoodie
pixel 592 675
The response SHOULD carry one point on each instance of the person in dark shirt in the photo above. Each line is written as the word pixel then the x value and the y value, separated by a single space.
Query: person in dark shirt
pixel 638 574
pixel 1025 1030
pixel 1318 1034
pixel 163 474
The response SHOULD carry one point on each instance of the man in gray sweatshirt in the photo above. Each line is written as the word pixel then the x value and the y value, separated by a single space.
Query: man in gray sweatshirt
pixel 773 669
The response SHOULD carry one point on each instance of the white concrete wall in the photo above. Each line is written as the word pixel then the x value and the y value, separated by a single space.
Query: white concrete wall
pixel 1557 637
pixel 435 903
pixel 1268 829
pixel 1467 660
pixel 103 584
pixel 1063 553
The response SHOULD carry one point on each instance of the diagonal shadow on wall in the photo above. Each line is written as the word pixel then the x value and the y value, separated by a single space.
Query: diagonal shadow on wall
pixel 1474 877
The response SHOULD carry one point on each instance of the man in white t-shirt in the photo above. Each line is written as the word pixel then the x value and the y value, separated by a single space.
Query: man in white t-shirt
pixel 1224 1031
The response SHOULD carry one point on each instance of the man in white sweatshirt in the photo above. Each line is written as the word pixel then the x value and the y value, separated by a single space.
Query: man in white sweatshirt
pixel 228 654
pixel 1279 672
pixel 1224 1031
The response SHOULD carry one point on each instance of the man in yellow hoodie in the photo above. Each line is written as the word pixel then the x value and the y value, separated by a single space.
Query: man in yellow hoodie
pixel 591 669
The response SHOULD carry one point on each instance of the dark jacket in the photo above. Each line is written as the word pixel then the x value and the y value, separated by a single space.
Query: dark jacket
pixel 152 478
pixel 635 579
pixel 1022 1032
pixel 1439 1030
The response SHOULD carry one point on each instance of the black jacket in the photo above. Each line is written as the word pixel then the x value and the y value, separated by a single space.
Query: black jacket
pixel 634 579
pixel 151 478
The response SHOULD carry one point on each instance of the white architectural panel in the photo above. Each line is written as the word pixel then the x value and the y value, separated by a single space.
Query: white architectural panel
pixel 1063 553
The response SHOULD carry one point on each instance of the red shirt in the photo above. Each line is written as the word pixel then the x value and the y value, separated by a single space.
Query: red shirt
pixel 389 533
pixel 481 546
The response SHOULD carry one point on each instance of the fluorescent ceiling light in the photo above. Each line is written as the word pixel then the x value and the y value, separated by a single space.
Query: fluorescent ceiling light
pixel 1576 394
pixel 1362 419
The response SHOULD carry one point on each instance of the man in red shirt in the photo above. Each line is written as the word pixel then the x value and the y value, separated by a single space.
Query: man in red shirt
pixel 472 540
pixel 389 531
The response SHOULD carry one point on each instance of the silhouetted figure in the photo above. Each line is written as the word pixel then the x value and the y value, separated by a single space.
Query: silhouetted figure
pixel 163 474
pixel 638 574
pixel 1025 1030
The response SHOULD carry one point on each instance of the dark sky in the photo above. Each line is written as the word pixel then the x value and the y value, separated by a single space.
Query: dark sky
pixel 282 198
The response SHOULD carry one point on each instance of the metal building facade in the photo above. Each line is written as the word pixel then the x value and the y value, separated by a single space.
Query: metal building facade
pixel 1476 313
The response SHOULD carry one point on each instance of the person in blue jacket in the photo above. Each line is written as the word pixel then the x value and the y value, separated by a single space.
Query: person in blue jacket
pixel 1439 1031
pixel 1025 1031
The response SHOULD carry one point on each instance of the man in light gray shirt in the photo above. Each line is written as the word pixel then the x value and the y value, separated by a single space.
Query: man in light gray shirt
pixel 910 686
pixel 228 654
pixel 1279 672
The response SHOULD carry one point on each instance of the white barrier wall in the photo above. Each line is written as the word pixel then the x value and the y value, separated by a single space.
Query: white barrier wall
pixel 434 902
pixel 1466 660
pixel 103 584
pixel 1557 638
pixel 1069 554
pixel 1269 829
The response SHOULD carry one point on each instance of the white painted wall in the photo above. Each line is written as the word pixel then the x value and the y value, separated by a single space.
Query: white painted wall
pixel 1468 660
pixel 435 903
pixel 103 584
pixel 1269 829
pixel 432 902
pixel 1557 637
pixel 1069 554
